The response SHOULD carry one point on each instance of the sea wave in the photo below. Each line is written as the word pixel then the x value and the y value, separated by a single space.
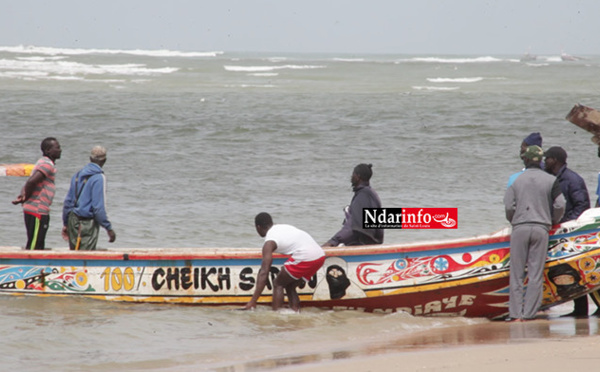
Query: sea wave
pixel 269 68
pixel 264 74
pixel 349 59
pixel 22 49
pixel 455 80
pixel 251 86
pixel 41 68
pixel 451 60
pixel 276 59
pixel 41 59
pixel 442 89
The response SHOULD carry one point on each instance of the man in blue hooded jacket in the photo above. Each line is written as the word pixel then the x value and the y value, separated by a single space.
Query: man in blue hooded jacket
pixel 84 209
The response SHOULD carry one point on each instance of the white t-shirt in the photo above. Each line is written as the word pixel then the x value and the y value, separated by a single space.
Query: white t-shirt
pixel 295 242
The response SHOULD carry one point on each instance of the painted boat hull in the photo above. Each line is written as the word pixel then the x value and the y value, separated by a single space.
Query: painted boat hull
pixel 463 277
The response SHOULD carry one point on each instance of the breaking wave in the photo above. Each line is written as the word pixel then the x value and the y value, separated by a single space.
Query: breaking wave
pixel 22 49
pixel 269 68
pixel 455 80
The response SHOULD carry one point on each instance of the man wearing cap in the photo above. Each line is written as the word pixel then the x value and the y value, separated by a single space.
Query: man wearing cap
pixel 533 203
pixel 578 200
pixel 534 139
pixel 84 209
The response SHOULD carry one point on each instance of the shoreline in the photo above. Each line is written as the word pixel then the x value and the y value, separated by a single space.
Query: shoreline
pixel 562 354
pixel 549 344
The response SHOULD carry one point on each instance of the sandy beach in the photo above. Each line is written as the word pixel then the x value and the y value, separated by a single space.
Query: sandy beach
pixel 560 344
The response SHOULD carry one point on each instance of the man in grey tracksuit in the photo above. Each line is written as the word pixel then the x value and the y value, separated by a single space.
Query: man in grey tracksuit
pixel 533 203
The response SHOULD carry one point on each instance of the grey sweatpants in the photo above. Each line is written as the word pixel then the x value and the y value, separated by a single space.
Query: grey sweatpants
pixel 528 247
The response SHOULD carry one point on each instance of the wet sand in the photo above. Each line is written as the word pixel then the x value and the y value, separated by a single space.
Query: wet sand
pixel 558 344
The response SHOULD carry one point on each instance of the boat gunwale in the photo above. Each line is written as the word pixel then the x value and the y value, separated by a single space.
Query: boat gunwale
pixel 199 253
pixel 206 253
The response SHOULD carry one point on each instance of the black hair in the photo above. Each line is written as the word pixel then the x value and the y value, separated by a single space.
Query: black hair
pixel 263 219
pixel 557 153
pixel 47 144
pixel 364 171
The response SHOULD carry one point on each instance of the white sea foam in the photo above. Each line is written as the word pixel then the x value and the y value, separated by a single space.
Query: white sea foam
pixel 269 68
pixel 65 78
pixel 23 74
pixel 455 80
pixel 277 59
pixel 41 59
pixel 71 52
pixel 452 60
pixel 435 88
pixel 62 67
pixel 251 86
pixel 349 59
pixel 264 74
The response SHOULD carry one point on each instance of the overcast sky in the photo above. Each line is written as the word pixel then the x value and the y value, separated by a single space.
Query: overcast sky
pixel 480 27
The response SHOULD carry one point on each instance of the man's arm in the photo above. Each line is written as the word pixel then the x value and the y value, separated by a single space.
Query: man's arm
pixel 509 204
pixel 345 234
pixel 263 274
pixel 35 179
pixel 98 185
pixel 559 202
pixel 580 199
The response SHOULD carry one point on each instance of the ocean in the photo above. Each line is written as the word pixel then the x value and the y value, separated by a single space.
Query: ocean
pixel 200 142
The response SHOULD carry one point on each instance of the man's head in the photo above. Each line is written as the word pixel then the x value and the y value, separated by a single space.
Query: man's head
pixel 532 156
pixel 534 139
pixel 556 157
pixel 362 173
pixel 263 223
pixel 51 148
pixel 98 155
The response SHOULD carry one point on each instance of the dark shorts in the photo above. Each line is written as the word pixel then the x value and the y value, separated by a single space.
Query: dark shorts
pixel 37 226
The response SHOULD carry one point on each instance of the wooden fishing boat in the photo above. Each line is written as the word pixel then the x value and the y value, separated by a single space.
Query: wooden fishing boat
pixel 461 277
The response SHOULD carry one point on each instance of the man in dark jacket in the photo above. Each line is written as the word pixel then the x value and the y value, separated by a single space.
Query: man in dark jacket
pixel 84 209
pixel 352 232
pixel 578 200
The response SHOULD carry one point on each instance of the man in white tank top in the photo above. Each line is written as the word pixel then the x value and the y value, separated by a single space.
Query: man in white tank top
pixel 306 258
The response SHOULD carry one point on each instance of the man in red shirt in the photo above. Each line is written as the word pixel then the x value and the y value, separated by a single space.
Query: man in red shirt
pixel 37 194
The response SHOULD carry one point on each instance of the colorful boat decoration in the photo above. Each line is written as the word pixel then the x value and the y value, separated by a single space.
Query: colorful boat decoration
pixel 16 170
pixel 460 277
